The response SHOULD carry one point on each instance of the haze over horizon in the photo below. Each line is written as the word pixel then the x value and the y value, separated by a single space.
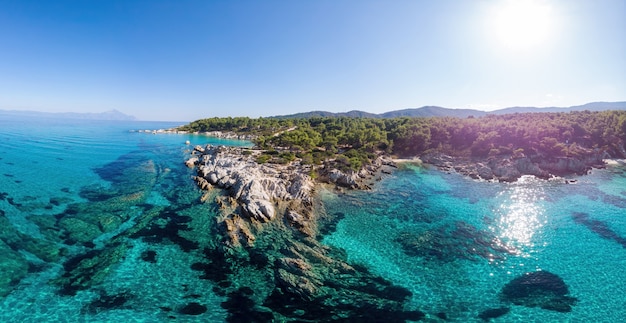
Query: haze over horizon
pixel 173 60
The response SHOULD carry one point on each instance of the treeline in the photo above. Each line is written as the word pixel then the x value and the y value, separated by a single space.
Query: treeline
pixel 355 141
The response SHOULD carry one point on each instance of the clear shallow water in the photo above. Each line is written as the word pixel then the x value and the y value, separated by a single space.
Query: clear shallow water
pixel 48 166
pixel 534 219
pixel 477 236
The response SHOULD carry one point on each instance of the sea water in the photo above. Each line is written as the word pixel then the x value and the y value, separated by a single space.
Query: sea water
pixel 478 235
pixel 535 220
pixel 47 165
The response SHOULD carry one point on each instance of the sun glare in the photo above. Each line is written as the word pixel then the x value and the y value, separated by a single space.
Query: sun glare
pixel 522 24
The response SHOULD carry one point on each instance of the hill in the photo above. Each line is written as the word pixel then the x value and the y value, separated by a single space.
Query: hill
pixel 434 111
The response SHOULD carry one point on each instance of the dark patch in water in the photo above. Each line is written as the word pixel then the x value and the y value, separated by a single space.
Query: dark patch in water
pixel 331 226
pixel 442 316
pixel 12 202
pixel 65 190
pixel 493 313
pixel 539 289
pixel 89 269
pixel 193 308
pixel 324 310
pixel 96 194
pixel 9 175
pixel 599 227
pixel 216 270
pixel 447 243
pixel 18 181
pixel 149 256
pixel 258 258
pixel 72 264
pixel 166 226
pixel 107 302
pixel 36 268
pixel 196 296
pixel 9 163
pixel 241 308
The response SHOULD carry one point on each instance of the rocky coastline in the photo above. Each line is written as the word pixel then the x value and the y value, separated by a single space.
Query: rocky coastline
pixel 216 134
pixel 510 168
pixel 271 215
pixel 259 193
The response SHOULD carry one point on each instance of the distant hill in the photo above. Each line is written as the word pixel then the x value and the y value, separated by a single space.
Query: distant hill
pixel 594 106
pixel 433 111
pixel 112 115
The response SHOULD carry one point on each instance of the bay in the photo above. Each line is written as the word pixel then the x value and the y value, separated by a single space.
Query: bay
pixel 454 243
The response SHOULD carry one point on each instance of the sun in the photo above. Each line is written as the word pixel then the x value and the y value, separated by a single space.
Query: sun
pixel 522 25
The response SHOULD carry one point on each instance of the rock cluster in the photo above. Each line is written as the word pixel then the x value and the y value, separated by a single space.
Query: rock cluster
pixel 357 179
pixel 261 192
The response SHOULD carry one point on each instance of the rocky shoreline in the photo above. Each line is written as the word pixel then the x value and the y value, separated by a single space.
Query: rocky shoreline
pixel 216 134
pixel 511 168
pixel 260 193
pixel 271 214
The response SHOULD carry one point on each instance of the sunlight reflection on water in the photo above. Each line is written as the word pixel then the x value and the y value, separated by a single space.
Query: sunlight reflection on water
pixel 520 215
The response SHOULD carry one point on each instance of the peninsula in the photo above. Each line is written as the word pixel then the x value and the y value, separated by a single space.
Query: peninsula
pixel 268 195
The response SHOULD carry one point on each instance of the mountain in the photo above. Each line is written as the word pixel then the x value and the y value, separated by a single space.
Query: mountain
pixel 434 111
pixel 314 114
pixel 113 115
pixel 594 106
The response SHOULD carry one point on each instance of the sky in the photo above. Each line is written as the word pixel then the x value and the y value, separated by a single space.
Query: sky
pixel 184 60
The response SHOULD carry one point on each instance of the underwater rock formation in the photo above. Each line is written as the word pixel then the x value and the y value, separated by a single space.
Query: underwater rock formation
pixel 448 243
pixel 13 268
pixel 270 219
pixel 539 289
pixel 599 227
pixel 493 313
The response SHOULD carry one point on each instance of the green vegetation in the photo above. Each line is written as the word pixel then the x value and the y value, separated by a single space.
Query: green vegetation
pixel 354 142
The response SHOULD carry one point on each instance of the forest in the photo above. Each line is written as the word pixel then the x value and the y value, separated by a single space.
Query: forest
pixel 354 142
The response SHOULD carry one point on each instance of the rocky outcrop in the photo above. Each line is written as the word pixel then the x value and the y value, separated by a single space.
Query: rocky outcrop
pixel 509 168
pixel 361 179
pixel 262 192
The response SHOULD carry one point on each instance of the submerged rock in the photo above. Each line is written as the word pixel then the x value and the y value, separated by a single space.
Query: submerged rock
pixel 493 313
pixel 13 268
pixel 193 308
pixel 448 243
pixel 539 289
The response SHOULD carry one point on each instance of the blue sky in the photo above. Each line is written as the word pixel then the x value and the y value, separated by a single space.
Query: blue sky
pixel 185 60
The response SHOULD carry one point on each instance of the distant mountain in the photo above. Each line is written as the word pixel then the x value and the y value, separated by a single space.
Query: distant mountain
pixel 313 114
pixel 594 106
pixel 433 111
pixel 112 115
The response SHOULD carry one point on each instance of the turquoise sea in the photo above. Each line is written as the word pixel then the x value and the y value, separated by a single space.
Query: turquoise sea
pixel 99 223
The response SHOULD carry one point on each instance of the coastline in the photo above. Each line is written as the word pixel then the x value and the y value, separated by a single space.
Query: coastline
pixel 273 211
